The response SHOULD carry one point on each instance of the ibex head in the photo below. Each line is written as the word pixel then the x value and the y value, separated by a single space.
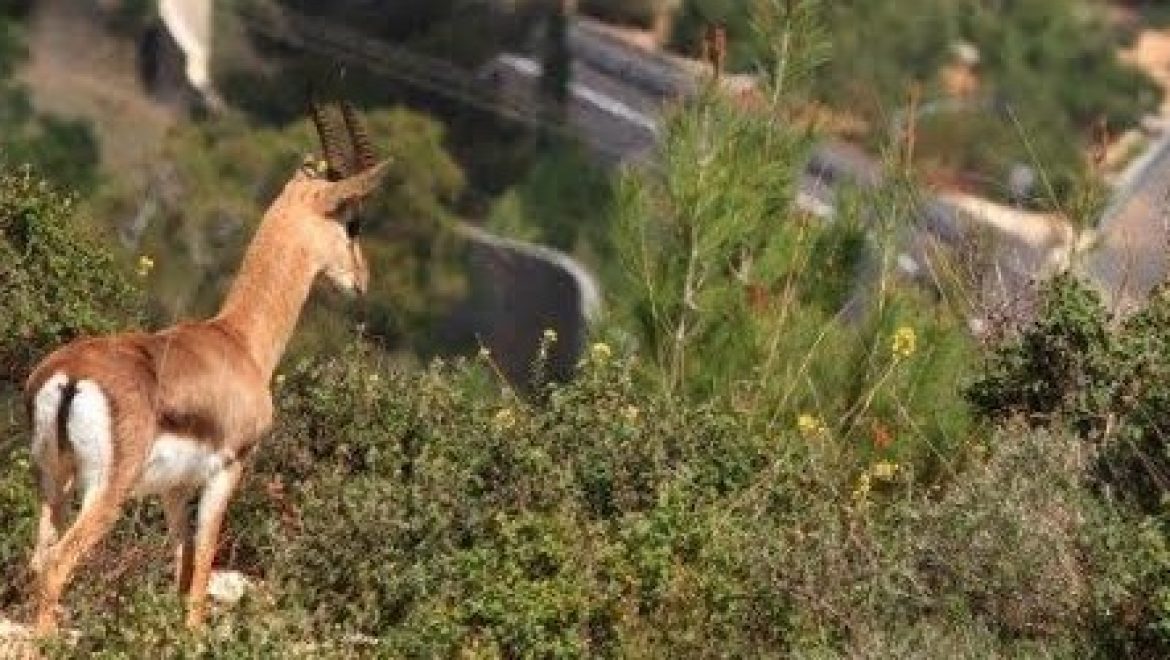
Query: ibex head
pixel 331 196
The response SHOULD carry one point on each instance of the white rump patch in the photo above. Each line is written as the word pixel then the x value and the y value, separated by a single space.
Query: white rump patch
pixel 46 403
pixel 175 462
pixel 90 431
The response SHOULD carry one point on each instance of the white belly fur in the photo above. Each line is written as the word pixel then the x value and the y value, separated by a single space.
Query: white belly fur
pixel 177 462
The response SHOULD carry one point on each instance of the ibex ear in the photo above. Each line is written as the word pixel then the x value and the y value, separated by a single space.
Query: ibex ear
pixel 333 196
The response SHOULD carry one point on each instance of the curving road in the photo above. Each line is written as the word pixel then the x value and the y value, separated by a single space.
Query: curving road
pixel 1134 233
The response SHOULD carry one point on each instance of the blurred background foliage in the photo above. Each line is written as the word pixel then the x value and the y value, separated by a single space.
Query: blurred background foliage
pixel 66 149
pixel 1047 70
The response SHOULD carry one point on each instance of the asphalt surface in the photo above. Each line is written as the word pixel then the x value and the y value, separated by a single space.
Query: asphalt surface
pixel 1130 258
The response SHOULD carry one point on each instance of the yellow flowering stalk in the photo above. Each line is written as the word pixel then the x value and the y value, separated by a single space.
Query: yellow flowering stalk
pixel 145 265
pixel 884 470
pixel 905 342
pixel 861 490
pixel 810 425
pixel 631 413
pixel 601 352
pixel 504 419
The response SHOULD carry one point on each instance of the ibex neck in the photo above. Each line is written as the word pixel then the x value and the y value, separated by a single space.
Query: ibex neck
pixel 265 300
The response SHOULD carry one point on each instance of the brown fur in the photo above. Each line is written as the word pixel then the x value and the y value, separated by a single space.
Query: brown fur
pixel 207 380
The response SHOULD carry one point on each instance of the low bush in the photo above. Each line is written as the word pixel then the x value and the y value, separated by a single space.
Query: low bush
pixel 1103 378
pixel 57 281
pixel 397 513
pixel 1106 378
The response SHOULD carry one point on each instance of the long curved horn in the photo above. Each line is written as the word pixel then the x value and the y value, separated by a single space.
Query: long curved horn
pixel 363 147
pixel 330 136
pixel 353 188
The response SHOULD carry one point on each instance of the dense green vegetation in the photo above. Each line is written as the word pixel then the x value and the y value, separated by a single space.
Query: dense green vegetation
pixel 57 280
pixel 757 456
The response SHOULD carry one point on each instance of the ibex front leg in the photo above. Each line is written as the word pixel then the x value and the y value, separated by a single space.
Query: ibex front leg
pixel 212 506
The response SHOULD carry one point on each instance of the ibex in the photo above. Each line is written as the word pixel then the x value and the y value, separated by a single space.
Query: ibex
pixel 175 413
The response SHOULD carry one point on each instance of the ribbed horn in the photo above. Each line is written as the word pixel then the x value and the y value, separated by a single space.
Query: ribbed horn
pixel 353 188
pixel 363 148
pixel 330 137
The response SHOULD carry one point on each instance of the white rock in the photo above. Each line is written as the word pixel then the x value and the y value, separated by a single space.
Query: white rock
pixel 228 586
pixel 16 641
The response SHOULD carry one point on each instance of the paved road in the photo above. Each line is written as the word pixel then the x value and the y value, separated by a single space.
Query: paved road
pixel 1131 257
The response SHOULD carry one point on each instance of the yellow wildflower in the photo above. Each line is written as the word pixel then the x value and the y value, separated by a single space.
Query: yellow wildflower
pixel 631 413
pixel 810 425
pixel 861 491
pixel 550 335
pixel 601 351
pixel 884 470
pixel 905 342
pixel 504 419
pixel 145 265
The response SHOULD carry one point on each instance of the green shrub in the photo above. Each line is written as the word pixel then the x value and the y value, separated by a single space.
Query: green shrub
pixel 57 282
pixel 731 290
pixel 427 513
pixel 17 497
pixel 467 516
pixel 1105 378
pixel 436 517
pixel 1078 367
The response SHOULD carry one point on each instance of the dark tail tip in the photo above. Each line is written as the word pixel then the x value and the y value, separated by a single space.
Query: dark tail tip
pixel 68 391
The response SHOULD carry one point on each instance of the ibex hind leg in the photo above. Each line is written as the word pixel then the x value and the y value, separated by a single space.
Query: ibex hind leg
pixel 54 487
pixel 91 431
pixel 54 468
